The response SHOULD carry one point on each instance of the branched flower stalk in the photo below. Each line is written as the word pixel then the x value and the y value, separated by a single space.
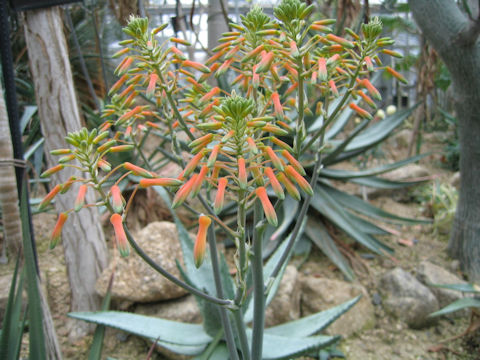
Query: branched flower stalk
pixel 248 145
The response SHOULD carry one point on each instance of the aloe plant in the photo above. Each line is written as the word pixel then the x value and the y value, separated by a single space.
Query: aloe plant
pixel 255 144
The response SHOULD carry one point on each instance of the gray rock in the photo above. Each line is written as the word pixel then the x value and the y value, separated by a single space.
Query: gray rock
pixel 138 282
pixel 184 309
pixel 321 294
pixel 286 304
pixel 429 274
pixel 407 298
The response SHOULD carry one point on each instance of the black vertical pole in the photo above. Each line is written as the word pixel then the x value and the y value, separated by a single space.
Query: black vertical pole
pixel 12 110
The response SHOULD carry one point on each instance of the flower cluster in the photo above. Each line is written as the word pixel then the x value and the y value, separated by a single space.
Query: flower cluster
pixel 246 146
pixel 88 156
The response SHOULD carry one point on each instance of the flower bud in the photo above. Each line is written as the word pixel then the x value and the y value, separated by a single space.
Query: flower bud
pixel 57 230
pixel 267 206
pixel 117 221
pixel 200 245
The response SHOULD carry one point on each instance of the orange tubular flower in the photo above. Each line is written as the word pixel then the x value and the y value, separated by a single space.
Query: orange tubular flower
pixel 57 230
pixel 151 85
pixel 266 62
pixel 291 189
pixel 120 236
pixel 361 112
pixel 52 170
pixel 183 192
pixel 333 87
pixel 137 170
pixel 144 183
pixel 49 197
pixel 296 177
pixel 275 183
pixel 117 202
pixel 277 105
pixel 242 174
pixel 80 200
pixel 340 40
pixel 214 92
pixel 267 206
pixel 273 158
pixel 294 162
pixel 104 165
pixel 367 99
pixel 369 63
pixel 251 145
pixel 322 69
pixel 197 185
pixel 213 156
pixel 192 165
pixel 220 197
pixel 118 84
pixel 201 241
pixel 197 66
pixel 396 75
pixel 371 89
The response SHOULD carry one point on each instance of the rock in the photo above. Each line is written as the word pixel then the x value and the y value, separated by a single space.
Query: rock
pixel 286 304
pixel 321 294
pixel 429 274
pixel 184 309
pixel 138 282
pixel 407 298
pixel 410 171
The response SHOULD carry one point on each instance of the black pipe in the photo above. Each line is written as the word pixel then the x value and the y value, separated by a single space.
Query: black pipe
pixel 12 111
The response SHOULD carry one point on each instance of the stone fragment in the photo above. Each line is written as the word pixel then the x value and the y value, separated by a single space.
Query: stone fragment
pixel 407 299
pixel 285 306
pixel 135 280
pixel 184 309
pixel 320 294
pixel 430 274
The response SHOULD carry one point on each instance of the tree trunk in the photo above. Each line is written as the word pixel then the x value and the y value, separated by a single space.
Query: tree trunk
pixel 217 24
pixel 12 226
pixel 83 241
pixel 455 38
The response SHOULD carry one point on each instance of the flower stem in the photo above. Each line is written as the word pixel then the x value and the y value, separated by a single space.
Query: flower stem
pixel 258 284
pixel 227 326
pixel 242 333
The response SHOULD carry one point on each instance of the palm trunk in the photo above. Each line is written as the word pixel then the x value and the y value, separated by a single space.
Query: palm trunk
pixel 12 226
pixel 84 245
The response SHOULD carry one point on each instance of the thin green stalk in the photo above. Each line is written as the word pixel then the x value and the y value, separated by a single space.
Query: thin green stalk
pixel 227 326
pixel 175 109
pixel 242 333
pixel 172 278
pixel 258 284
pixel 321 131
pixel 301 98
pixel 242 246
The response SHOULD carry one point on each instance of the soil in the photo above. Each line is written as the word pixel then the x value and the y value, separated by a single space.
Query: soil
pixel 389 339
